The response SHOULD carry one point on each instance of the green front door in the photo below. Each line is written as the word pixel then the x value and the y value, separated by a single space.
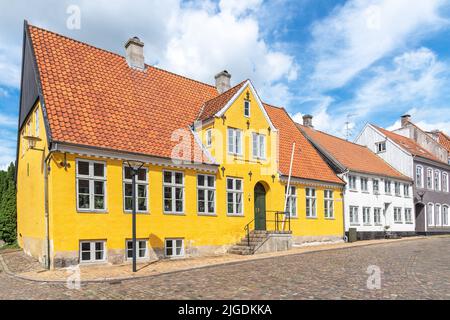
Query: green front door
pixel 260 207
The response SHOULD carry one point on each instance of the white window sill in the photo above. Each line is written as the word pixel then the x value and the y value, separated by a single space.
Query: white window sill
pixel 92 212
pixel 137 212
pixel 355 225
pixel 90 263
pixel 235 215
pixel 311 218
pixel 206 214
pixel 175 213
pixel 330 218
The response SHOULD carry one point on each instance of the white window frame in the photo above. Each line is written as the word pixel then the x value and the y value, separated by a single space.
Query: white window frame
pixel 138 183
pixel 397 189
pixel 92 179
pixel 381 144
pixel 352 184
pixel 36 123
pixel 367 221
pixel 206 189
pixel 235 192
pixel 173 187
pixel 445 210
pixel 311 203
pixel 29 133
pixel 354 213
pixel 430 179
pixel 328 204
pixel 258 146
pixel 208 138
pixel 291 203
pixel 437 215
pixel 398 219
pixel 138 242
pixel 376 182
pixel 92 252
pixel 430 215
pixel 377 216
pixel 437 180
pixel 419 177
pixel 388 183
pixel 364 184
pixel 234 147
pixel 406 190
pixel 247 106
pixel 408 216
pixel 445 182
pixel 174 247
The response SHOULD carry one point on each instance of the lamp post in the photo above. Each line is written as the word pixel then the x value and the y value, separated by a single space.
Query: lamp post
pixel 134 168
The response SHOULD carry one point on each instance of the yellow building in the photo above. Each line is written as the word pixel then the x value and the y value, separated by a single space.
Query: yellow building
pixel 216 161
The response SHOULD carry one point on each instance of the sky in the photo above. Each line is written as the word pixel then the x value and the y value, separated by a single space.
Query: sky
pixel 344 62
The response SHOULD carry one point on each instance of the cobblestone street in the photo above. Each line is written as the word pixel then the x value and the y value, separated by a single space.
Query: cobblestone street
pixel 418 269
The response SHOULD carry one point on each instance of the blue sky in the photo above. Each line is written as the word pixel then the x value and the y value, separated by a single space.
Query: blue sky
pixel 351 61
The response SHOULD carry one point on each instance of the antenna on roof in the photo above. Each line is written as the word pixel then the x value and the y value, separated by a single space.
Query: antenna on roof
pixel 348 130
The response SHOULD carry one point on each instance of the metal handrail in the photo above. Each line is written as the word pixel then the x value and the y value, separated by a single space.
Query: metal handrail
pixel 279 219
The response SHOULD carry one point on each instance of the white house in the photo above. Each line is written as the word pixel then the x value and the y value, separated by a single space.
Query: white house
pixel 378 199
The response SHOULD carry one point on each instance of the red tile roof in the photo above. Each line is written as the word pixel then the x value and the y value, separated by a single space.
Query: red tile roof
pixel 352 156
pixel 444 140
pixel 410 145
pixel 308 164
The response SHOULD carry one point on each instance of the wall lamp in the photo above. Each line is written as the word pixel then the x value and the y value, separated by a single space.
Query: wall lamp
pixel 223 171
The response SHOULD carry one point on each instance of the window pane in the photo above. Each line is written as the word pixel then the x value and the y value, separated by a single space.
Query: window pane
pixel 130 245
pixel 142 175
pixel 83 168
pixel 99 187
pixel 168 205
pixel 142 191
pixel 201 180
pixel 201 206
pixel 99 202
pixel 168 243
pixel 83 186
pixel 86 256
pixel 230 184
pixel 238 185
pixel 169 252
pixel 179 205
pixel 167 193
pixel 238 203
pixel 99 255
pixel 127 172
pixel 211 181
pixel 128 190
pixel 168 177
pixel 201 195
pixel 178 178
pixel 128 203
pixel 142 204
pixel 99 246
pixel 99 170
pixel 85 246
pixel 179 193
pixel 83 201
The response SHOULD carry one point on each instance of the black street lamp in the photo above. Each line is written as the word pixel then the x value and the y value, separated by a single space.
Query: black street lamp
pixel 134 170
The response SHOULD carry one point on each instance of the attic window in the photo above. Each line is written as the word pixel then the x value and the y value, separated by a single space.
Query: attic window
pixel 381 147
pixel 247 108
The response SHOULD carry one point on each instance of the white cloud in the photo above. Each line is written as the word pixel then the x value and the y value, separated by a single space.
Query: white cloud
pixel 361 32
pixel 7 121
pixel 239 7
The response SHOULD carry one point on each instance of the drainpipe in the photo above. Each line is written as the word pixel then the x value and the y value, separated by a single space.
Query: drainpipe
pixel 342 175
pixel 47 216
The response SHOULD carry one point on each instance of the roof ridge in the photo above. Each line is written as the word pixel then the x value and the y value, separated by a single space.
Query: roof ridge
pixel 116 54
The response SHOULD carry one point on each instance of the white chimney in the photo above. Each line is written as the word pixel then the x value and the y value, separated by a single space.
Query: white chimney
pixel 223 81
pixel 405 120
pixel 307 120
pixel 135 53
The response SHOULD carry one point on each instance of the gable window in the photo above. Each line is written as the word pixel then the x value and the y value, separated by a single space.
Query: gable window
pixel 376 186
pixel 259 146
pixel 430 214
pixel 406 190
pixel 235 141
pixel 397 189
pixel 291 205
pixel 91 185
pixel 381 147
pixel 206 194
pixel 247 108
pixel 352 183
pixel 141 249
pixel 141 192
pixel 92 251
pixel 173 192
pixel 354 215
pixel 36 125
pixel 437 215
pixel 234 196
pixel 29 132
pixel 430 178
pixel 419 176
pixel 364 184
pixel 398 215
pixel 445 221
pixel 408 216
pixel 329 204
pixel 311 211
pixel 209 138
pixel 377 216
pixel 437 180
pixel 366 216
pixel 387 186
pixel 445 181
pixel 174 248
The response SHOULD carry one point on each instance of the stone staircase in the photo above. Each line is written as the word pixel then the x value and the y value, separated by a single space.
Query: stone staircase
pixel 257 238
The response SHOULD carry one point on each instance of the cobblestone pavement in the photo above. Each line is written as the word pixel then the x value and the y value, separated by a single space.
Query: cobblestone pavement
pixel 418 269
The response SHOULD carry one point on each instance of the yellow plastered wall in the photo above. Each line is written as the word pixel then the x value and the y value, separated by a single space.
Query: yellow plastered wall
pixel 31 227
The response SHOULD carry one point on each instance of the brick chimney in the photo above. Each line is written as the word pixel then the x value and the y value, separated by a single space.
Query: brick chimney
pixel 405 120
pixel 135 53
pixel 307 120
pixel 223 81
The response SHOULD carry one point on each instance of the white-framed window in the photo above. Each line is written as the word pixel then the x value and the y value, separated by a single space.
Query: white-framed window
pixel 376 186
pixel 366 216
pixel 408 215
pixel 208 138
pixel 36 123
pixel 234 141
pixel 235 193
pixel 141 249
pixel 247 108
pixel 406 190
pixel 92 251
pixel 398 215
pixel 437 215
pixel 419 176
pixel 311 208
pixel 381 147
pixel 354 215
pixel 397 189
pixel 173 183
pixel 437 180
pixel 259 146
pixel 141 192
pixel 445 182
pixel 430 214
pixel 328 204
pixel 29 133
pixel 352 183
pixel 291 204
pixel 377 216
pixel 206 194
pixel 174 248
pixel 387 187
pixel 430 178
pixel 445 221
pixel 364 184
pixel 91 185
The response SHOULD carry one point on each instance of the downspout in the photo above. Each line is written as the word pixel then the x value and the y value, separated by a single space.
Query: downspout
pixel 346 172
pixel 47 215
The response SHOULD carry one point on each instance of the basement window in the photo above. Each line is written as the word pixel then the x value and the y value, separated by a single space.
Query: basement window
pixel 174 248
pixel 92 251
pixel 141 249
